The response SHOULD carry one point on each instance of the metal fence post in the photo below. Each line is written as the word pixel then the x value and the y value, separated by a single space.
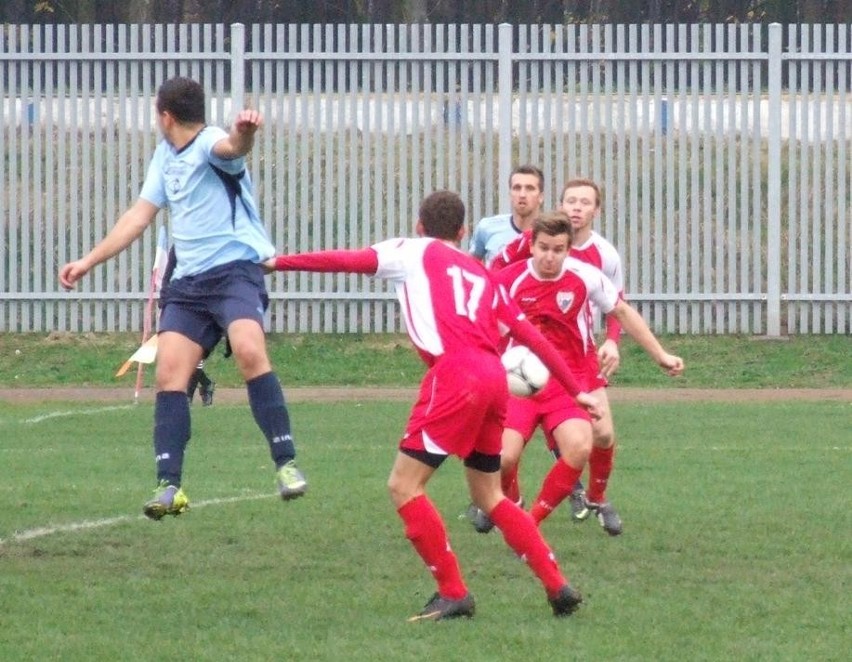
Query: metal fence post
pixel 238 68
pixel 504 101
pixel 773 186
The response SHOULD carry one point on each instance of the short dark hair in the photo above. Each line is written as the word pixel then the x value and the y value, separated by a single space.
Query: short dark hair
pixel 582 181
pixel 183 98
pixel 442 215
pixel 528 169
pixel 553 223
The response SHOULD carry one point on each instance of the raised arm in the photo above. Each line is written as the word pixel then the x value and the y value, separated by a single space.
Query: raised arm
pixel 241 137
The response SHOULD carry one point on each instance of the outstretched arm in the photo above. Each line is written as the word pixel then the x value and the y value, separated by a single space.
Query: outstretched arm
pixel 636 327
pixel 128 228
pixel 361 261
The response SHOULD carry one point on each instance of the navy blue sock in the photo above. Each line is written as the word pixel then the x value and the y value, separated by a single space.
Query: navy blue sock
pixel 270 412
pixel 171 434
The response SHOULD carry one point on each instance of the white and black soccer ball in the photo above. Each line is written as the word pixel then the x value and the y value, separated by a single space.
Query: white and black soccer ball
pixel 525 372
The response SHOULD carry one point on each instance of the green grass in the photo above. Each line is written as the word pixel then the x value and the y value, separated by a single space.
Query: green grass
pixel 736 545
pixel 388 360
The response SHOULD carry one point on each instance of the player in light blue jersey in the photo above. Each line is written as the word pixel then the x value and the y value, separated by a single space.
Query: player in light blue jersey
pixel 492 233
pixel 198 172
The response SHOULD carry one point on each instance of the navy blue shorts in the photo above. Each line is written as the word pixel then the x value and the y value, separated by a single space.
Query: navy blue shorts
pixel 201 307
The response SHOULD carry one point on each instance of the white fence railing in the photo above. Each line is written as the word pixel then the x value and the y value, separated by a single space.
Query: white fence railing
pixel 724 153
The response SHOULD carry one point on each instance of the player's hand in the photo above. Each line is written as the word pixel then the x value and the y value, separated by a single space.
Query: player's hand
pixel 673 365
pixel 590 404
pixel 248 121
pixel 609 358
pixel 268 266
pixel 72 272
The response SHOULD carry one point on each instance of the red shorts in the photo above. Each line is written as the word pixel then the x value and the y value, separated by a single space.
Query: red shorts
pixel 460 408
pixel 549 408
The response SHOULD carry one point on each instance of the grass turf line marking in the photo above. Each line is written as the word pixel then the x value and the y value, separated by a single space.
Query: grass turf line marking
pixel 75 412
pixel 73 527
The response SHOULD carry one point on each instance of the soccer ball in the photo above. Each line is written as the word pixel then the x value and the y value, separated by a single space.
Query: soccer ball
pixel 526 374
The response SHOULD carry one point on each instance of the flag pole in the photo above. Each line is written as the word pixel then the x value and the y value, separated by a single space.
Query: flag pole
pixel 156 282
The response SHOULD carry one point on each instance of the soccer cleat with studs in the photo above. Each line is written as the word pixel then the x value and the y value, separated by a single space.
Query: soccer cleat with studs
pixel 206 392
pixel 439 609
pixel 481 522
pixel 566 601
pixel 579 506
pixel 608 518
pixel 291 481
pixel 168 500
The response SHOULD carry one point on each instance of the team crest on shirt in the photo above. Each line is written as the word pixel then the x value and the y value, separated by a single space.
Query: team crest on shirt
pixel 564 300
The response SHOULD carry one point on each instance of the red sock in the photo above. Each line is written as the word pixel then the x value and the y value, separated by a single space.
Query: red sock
pixel 425 529
pixel 556 486
pixel 510 485
pixel 523 536
pixel 600 467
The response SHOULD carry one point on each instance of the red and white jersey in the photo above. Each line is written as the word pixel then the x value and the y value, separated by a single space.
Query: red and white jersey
pixel 599 252
pixel 559 307
pixel 596 251
pixel 518 249
pixel 448 299
pixel 602 254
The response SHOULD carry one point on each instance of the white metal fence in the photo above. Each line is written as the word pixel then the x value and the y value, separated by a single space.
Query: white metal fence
pixel 724 152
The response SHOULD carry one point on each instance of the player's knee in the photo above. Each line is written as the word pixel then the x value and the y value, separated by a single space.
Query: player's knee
pixel 252 361
pixel 509 462
pixel 603 437
pixel 400 491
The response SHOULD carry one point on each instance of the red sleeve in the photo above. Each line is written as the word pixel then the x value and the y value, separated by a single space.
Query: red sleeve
pixel 528 335
pixel 362 261
pixel 517 249
pixel 613 326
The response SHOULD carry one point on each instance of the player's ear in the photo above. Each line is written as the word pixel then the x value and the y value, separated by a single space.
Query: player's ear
pixel 419 230
pixel 461 233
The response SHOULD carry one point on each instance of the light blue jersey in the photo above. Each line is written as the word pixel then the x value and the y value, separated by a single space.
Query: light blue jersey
pixel 490 235
pixel 211 205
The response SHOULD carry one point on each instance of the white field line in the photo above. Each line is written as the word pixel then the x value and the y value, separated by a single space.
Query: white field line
pixel 75 412
pixel 73 527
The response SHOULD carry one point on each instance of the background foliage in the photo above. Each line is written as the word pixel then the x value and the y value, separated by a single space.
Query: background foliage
pixel 425 11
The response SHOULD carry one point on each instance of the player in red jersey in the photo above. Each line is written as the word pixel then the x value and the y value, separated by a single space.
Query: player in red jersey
pixel 556 291
pixel 581 200
pixel 454 314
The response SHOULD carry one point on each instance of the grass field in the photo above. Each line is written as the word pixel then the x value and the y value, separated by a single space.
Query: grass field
pixel 736 545
pixel 67 359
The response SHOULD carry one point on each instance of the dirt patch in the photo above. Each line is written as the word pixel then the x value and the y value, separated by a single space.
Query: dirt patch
pixel 356 394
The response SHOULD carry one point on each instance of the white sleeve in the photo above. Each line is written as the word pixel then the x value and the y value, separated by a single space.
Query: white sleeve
pixel 602 291
pixel 394 257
